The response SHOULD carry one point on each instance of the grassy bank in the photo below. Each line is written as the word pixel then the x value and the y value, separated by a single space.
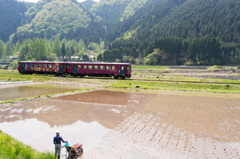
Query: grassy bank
pixel 12 149
pixel 145 67
pixel 198 87
pixel 19 77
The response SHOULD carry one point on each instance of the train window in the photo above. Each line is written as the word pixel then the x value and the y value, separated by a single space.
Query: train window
pixel 75 66
pixel 31 65
pixel 79 66
pixel 49 65
pixel 128 68
pixel 101 67
pixel 108 67
pixel 84 66
pixel 44 65
pixel 35 65
pixel 113 67
pixel 66 66
pixel 39 65
pixel 96 67
pixel 90 66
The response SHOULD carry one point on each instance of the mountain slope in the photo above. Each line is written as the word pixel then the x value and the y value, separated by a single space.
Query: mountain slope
pixel 88 4
pixel 11 17
pixel 187 19
pixel 145 18
pixel 205 18
pixel 66 18
pixel 186 31
pixel 114 11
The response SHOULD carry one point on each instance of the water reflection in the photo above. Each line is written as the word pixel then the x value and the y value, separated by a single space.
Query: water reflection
pixel 141 121
pixel 84 121
pixel 33 90
pixel 100 97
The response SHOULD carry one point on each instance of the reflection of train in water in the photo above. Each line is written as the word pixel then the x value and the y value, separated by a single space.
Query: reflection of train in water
pixel 81 69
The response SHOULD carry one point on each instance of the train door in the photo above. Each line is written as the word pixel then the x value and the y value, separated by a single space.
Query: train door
pixel 122 72
pixel 23 67
pixel 75 69
pixel 60 68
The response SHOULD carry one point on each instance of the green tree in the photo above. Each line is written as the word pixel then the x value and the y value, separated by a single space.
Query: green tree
pixel 81 45
pixel 17 47
pixel 2 49
pixel 14 64
pixel 57 47
pixel 156 57
pixel 23 53
pixel 63 50
pixel 100 57
pixel 9 49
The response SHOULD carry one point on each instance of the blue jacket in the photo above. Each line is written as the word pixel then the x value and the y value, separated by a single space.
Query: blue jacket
pixel 57 139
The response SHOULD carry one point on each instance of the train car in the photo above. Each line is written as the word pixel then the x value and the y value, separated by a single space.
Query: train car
pixel 81 69
pixel 24 67
pixel 116 70
pixel 61 68
pixel 38 67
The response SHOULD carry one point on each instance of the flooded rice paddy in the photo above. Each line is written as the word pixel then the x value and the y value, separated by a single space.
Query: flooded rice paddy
pixel 9 93
pixel 118 123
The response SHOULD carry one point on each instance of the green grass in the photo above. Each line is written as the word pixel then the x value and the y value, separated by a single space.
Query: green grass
pixel 12 149
pixel 194 79
pixel 199 87
pixel 4 71
pixel 20 77
pixel 145 67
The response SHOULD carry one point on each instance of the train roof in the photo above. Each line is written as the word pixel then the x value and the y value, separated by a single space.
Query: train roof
pixel 99 63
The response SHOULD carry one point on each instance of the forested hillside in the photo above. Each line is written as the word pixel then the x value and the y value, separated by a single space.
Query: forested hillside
pixel 183 18
pixel 144 19
pixel 66 18
pixel 185 31
pixel 152 32
pixel 11 17
pixel 88 4
pixel 205 18
pixel 113 11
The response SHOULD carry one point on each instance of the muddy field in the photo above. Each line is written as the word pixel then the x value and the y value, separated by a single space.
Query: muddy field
pixel 22 90
pixel 118 123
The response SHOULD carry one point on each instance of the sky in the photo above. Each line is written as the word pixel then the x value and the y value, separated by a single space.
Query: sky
pixel 35 1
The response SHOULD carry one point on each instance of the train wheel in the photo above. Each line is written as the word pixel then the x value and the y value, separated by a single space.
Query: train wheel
pixel 116 77
pixel 123 77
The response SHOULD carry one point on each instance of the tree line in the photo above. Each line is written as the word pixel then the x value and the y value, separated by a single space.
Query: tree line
pixel 51 50
pixel 173 51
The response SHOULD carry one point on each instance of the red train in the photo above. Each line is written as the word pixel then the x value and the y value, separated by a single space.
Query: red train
pixel 81 69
